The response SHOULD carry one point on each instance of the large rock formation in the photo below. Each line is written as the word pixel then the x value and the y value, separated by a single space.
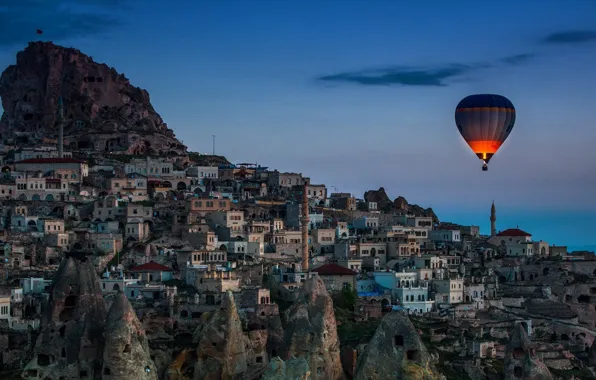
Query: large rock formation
pixel 293 369
pixel 311 332
pixel 71 340
pixel 103 111
pixel 521 361
pixel 399 205
pixel 592 354
pixel 395 352
pixel 126 352
pixel 223 350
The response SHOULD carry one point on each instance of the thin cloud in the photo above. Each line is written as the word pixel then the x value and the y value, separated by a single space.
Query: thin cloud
pixel 59 20
pixel 439 76
pixel 570 37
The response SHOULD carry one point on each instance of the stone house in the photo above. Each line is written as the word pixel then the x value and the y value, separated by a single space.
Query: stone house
pixel 336 278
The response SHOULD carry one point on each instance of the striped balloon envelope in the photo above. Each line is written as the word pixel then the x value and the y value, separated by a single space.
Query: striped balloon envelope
pixel 485 121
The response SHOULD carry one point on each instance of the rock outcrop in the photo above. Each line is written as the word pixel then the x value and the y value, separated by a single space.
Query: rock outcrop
pixel 311 332
pixel 102 110
pixel 293 369
pixel 126 351
pixel 399 205
pixel 397 352
pixel 521 361
pixel 592 354
pixel 223 350
pixel 71 340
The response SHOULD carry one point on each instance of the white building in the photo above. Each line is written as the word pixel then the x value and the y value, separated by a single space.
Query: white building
pixel 149 167
pixel 449 291
pixel 5 307
pixel 474 293
pixel 202 172
pixel 410 292
pixel 525 248
pixel 419 232
pixel 511 235
pixel 445 236
pixel 416 221
pixel 366 222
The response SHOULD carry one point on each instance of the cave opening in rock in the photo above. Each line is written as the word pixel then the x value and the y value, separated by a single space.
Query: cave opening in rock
pixel 259 359
pixel 62 331
pixel 82 374
pixel 413 355
pixel 517 371
pixel 70 304
pixel 519 353
pixel 70 301
pixel 398 340
pixel 583 298
pixel 273 353
pixel 126 349
pixel 107 371
pixel 63 352
pixel 564 337
pixel 43 360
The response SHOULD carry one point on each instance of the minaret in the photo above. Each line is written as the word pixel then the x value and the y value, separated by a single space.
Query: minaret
pixel 304 221
pixel 60 128
pixel 493 220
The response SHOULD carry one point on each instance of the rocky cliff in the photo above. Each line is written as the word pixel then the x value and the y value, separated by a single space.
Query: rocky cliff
pixel 521 361
pixel 102 110
pixel 399 204
pixel 293 369
pixel 223 350
pixel 126 351
pixel 397 352
pixel 71 339
pixel 311 332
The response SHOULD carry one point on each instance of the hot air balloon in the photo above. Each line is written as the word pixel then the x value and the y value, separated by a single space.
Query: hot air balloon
pixel 39 31
pixel 485 121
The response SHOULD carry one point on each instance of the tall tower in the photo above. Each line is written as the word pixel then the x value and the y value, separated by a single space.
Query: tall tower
pixel 304 221
pixel 493 220
pixel 60 128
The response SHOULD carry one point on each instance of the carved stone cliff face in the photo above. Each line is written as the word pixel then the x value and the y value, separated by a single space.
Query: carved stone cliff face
pixel 223 350
pixel 400 204
pixel 103 111
pixel 71 339
pixel 126 352
pixel 311 332
pixel 521 361
pixel 293 369
pixel 395 351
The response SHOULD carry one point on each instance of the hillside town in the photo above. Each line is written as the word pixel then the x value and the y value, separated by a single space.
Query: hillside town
pixel 127 256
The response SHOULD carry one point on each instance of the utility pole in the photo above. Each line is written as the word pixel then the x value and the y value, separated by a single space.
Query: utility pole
pixel 213 144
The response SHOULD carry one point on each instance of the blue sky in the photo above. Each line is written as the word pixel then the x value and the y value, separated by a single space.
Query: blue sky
pixel 361 94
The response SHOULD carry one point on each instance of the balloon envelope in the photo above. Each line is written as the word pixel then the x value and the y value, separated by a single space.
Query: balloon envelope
pixel 485 121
